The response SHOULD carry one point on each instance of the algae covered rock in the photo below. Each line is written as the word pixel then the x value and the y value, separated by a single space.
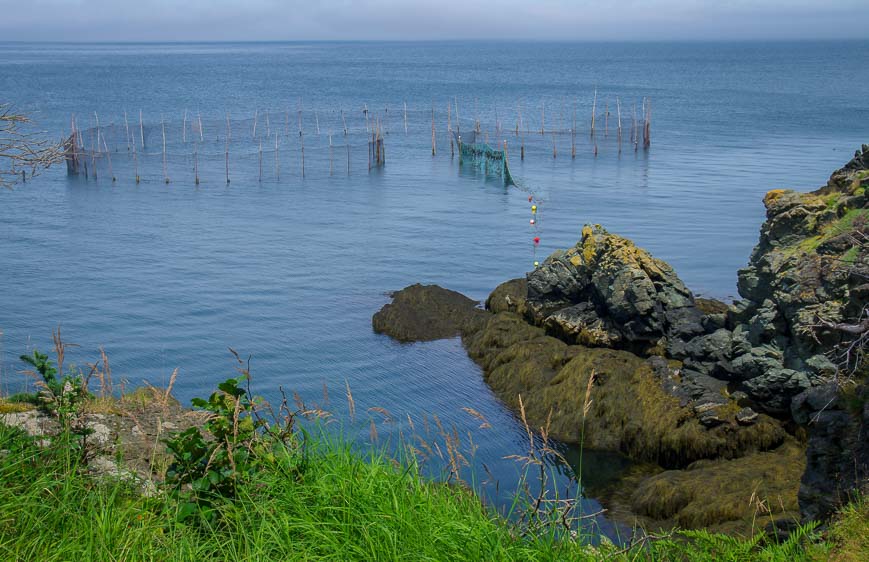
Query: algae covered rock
pixel 606 291
pixel 802 271
pixel 509 296
pixel 725 495
pixel 427 312
pixel 628 410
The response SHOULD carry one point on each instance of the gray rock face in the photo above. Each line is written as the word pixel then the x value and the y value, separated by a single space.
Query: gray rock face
pixel 607 292
pixel 837 457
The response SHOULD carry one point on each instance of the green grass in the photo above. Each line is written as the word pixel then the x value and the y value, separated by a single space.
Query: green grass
pixel 342 506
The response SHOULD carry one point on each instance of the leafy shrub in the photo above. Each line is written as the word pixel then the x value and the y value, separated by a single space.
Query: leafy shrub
pixel 213 463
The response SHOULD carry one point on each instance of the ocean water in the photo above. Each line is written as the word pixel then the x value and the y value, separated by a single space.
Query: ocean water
pixel 169 276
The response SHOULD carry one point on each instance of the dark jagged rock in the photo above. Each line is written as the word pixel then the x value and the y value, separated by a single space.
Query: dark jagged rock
pixel 607 292
pixel 837 458
pixel 427 312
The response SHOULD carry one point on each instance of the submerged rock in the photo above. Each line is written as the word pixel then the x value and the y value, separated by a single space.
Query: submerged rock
pixel 427 312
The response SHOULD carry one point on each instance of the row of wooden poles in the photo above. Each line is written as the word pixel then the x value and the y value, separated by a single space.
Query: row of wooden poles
pixel 638 127
pixel 77 153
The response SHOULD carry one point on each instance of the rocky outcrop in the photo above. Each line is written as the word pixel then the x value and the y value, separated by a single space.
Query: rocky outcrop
pixel 426 312
pixel 608 346
pixel 810 272
pixel 612 399
pixel 607 292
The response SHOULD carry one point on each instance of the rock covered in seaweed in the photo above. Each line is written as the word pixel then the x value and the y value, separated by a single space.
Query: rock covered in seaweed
pixel 427 312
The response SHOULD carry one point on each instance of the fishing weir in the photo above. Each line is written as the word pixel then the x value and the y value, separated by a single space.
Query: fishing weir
pixel 270 146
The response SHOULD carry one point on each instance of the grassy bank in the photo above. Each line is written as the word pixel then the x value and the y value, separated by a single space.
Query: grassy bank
pixel 341 506
pixel 233 483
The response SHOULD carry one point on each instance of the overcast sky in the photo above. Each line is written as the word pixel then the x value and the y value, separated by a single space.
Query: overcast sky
pixel 226 20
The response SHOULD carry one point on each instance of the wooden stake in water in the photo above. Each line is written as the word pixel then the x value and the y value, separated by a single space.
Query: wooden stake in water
pixel 109 158
pixel 268 127
pixel 573 133
pixel 365 111
pixel 606 120
pixel 277 160
pixel 449 119
pixel 518 112
pixel 141 130
pixel 458 119
pixel 593 111
pixel 196 163
pixel 317 121
pixel 165 171
pixel 184 128
pixel 260 153
pixel 99 129
pixel 344 121
pixel 302 142
pixel 647 127
pixel 226 149
pixel 93 152
pixel 255 117
pixel 127 128
pixel 619 117
pixel 300 117
pixel 135 162
pixel 434 149
pixel 554 147
pixel 199 118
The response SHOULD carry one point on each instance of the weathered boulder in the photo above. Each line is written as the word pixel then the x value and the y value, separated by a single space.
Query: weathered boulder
pixel 605 291
pixel 427 312
pixel 837 457
pixel 509 296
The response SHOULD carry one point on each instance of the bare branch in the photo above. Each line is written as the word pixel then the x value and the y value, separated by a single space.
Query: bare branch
pixel 23 154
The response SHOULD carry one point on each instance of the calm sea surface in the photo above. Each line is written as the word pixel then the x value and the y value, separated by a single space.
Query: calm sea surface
pixel 167 276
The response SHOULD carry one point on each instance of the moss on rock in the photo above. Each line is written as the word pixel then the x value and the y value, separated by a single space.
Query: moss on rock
pixel 427 312
pixel 629 410
pixel 736 495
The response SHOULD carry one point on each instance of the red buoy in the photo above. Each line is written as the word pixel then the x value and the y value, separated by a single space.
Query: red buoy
pixel 537 240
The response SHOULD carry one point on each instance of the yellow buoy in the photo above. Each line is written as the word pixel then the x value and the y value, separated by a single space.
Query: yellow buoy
pixel 537 263
pixel 533 208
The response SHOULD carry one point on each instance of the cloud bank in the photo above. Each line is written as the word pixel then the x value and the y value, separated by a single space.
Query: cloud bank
pixel 270 20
